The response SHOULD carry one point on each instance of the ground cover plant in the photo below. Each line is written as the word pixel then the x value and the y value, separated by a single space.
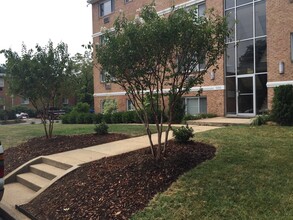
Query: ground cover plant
pixel 250 178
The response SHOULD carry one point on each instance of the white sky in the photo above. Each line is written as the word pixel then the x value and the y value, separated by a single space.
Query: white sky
pixel 36 21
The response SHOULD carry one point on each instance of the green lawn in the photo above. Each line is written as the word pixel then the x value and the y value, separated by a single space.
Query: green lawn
pixel 13 135
pixel 251 177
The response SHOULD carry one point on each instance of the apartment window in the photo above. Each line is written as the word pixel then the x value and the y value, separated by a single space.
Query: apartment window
pixel 292 47
pixel 200 9
pixel 25 101
pixel 127 1
pixel 65 101
pixel 195 105
pixel 106 7
pixel 130 106
pixel 104 76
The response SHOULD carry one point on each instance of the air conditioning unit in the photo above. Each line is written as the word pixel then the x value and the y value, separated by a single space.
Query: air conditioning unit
pixel 106 20
pixel 107 86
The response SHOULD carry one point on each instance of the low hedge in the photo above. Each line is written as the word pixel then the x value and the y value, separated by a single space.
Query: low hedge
pixel 114 118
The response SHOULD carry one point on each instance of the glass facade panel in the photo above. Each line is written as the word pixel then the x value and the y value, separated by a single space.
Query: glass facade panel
pixel 244 22
pixel 229 3
pixel 261 93
pixel 231 21
pixel 230 60
pixel 230 95
pixel 241 2
pixel 245 95
pixel 261 55
pixel 245 57
pixel 260 19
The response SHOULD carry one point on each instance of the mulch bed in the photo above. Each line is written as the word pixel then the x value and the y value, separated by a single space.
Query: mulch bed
pixel 116 187
pixel 16 156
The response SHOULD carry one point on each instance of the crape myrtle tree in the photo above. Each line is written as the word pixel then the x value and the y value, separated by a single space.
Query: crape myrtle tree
pixel 155 57
pixel 41 76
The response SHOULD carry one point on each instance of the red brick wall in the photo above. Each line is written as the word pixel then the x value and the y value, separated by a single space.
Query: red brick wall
pixel 215 99
pixel 279 27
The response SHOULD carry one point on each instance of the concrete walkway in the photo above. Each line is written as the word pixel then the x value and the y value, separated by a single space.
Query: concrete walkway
pixel 85 155
pixel 31 179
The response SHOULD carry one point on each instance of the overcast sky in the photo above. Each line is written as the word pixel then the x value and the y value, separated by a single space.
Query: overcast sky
pixel 37 21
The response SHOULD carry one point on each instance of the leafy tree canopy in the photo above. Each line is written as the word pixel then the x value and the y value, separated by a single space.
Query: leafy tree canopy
pixel 159 56
pixel 40 76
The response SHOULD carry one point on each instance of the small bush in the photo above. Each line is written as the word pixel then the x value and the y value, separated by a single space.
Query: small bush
pixel 183 134
pixel 260 120
pixel 98 118
pixel 107 118
pixel 116 117
pixel 81 108
pixel 89 118
pixel 282 109
pixel 101 128
pixel 197 117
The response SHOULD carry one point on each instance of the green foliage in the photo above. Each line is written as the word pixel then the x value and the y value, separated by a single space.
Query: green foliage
pixel 20 108
pixel 199 116
pixel 83 78
pixel 183 134
pixel 282 109
pixel 107 117
pixel 178 111
pixel 151 53
pixel 101 129
pixel 110 106
pixel 42 76
pixel 81 108
pixel 116 117
pixel 98 118
pixel 260 120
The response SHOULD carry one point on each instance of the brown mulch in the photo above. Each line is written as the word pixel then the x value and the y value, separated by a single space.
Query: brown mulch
pixel 116 187
pixel 16 156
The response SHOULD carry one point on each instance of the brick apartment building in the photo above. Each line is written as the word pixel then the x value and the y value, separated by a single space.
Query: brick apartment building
pixel 259 56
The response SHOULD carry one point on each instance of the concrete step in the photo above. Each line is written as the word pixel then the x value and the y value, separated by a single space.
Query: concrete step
pixel 56 163
pixel 47 171
pixel 32 181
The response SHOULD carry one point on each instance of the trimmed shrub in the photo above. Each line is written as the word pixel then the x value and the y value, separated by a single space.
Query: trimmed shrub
pixel 282 109
pixel 107 118
pixel 81 108
pixel 101 128
pixel 89 118
pixel 183 134
pixel 98 118
pixel 116 117
pixel 260 120
pixel 199 116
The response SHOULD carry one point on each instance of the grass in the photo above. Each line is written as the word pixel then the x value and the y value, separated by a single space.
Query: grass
pixel 13 135
pixel 251 177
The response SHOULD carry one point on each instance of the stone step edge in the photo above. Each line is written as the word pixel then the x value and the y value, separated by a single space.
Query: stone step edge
pixel 29 183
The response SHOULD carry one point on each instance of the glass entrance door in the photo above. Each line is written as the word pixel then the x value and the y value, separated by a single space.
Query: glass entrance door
pixel 245 96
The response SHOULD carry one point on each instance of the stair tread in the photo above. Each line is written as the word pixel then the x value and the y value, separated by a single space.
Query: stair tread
pixel 34 179
pixel 48 169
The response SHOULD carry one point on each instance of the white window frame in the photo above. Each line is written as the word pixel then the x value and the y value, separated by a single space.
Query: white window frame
pixel 65 101
pixel 102 12
pixel 127 1
pixel 129 105
pixel 198 98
